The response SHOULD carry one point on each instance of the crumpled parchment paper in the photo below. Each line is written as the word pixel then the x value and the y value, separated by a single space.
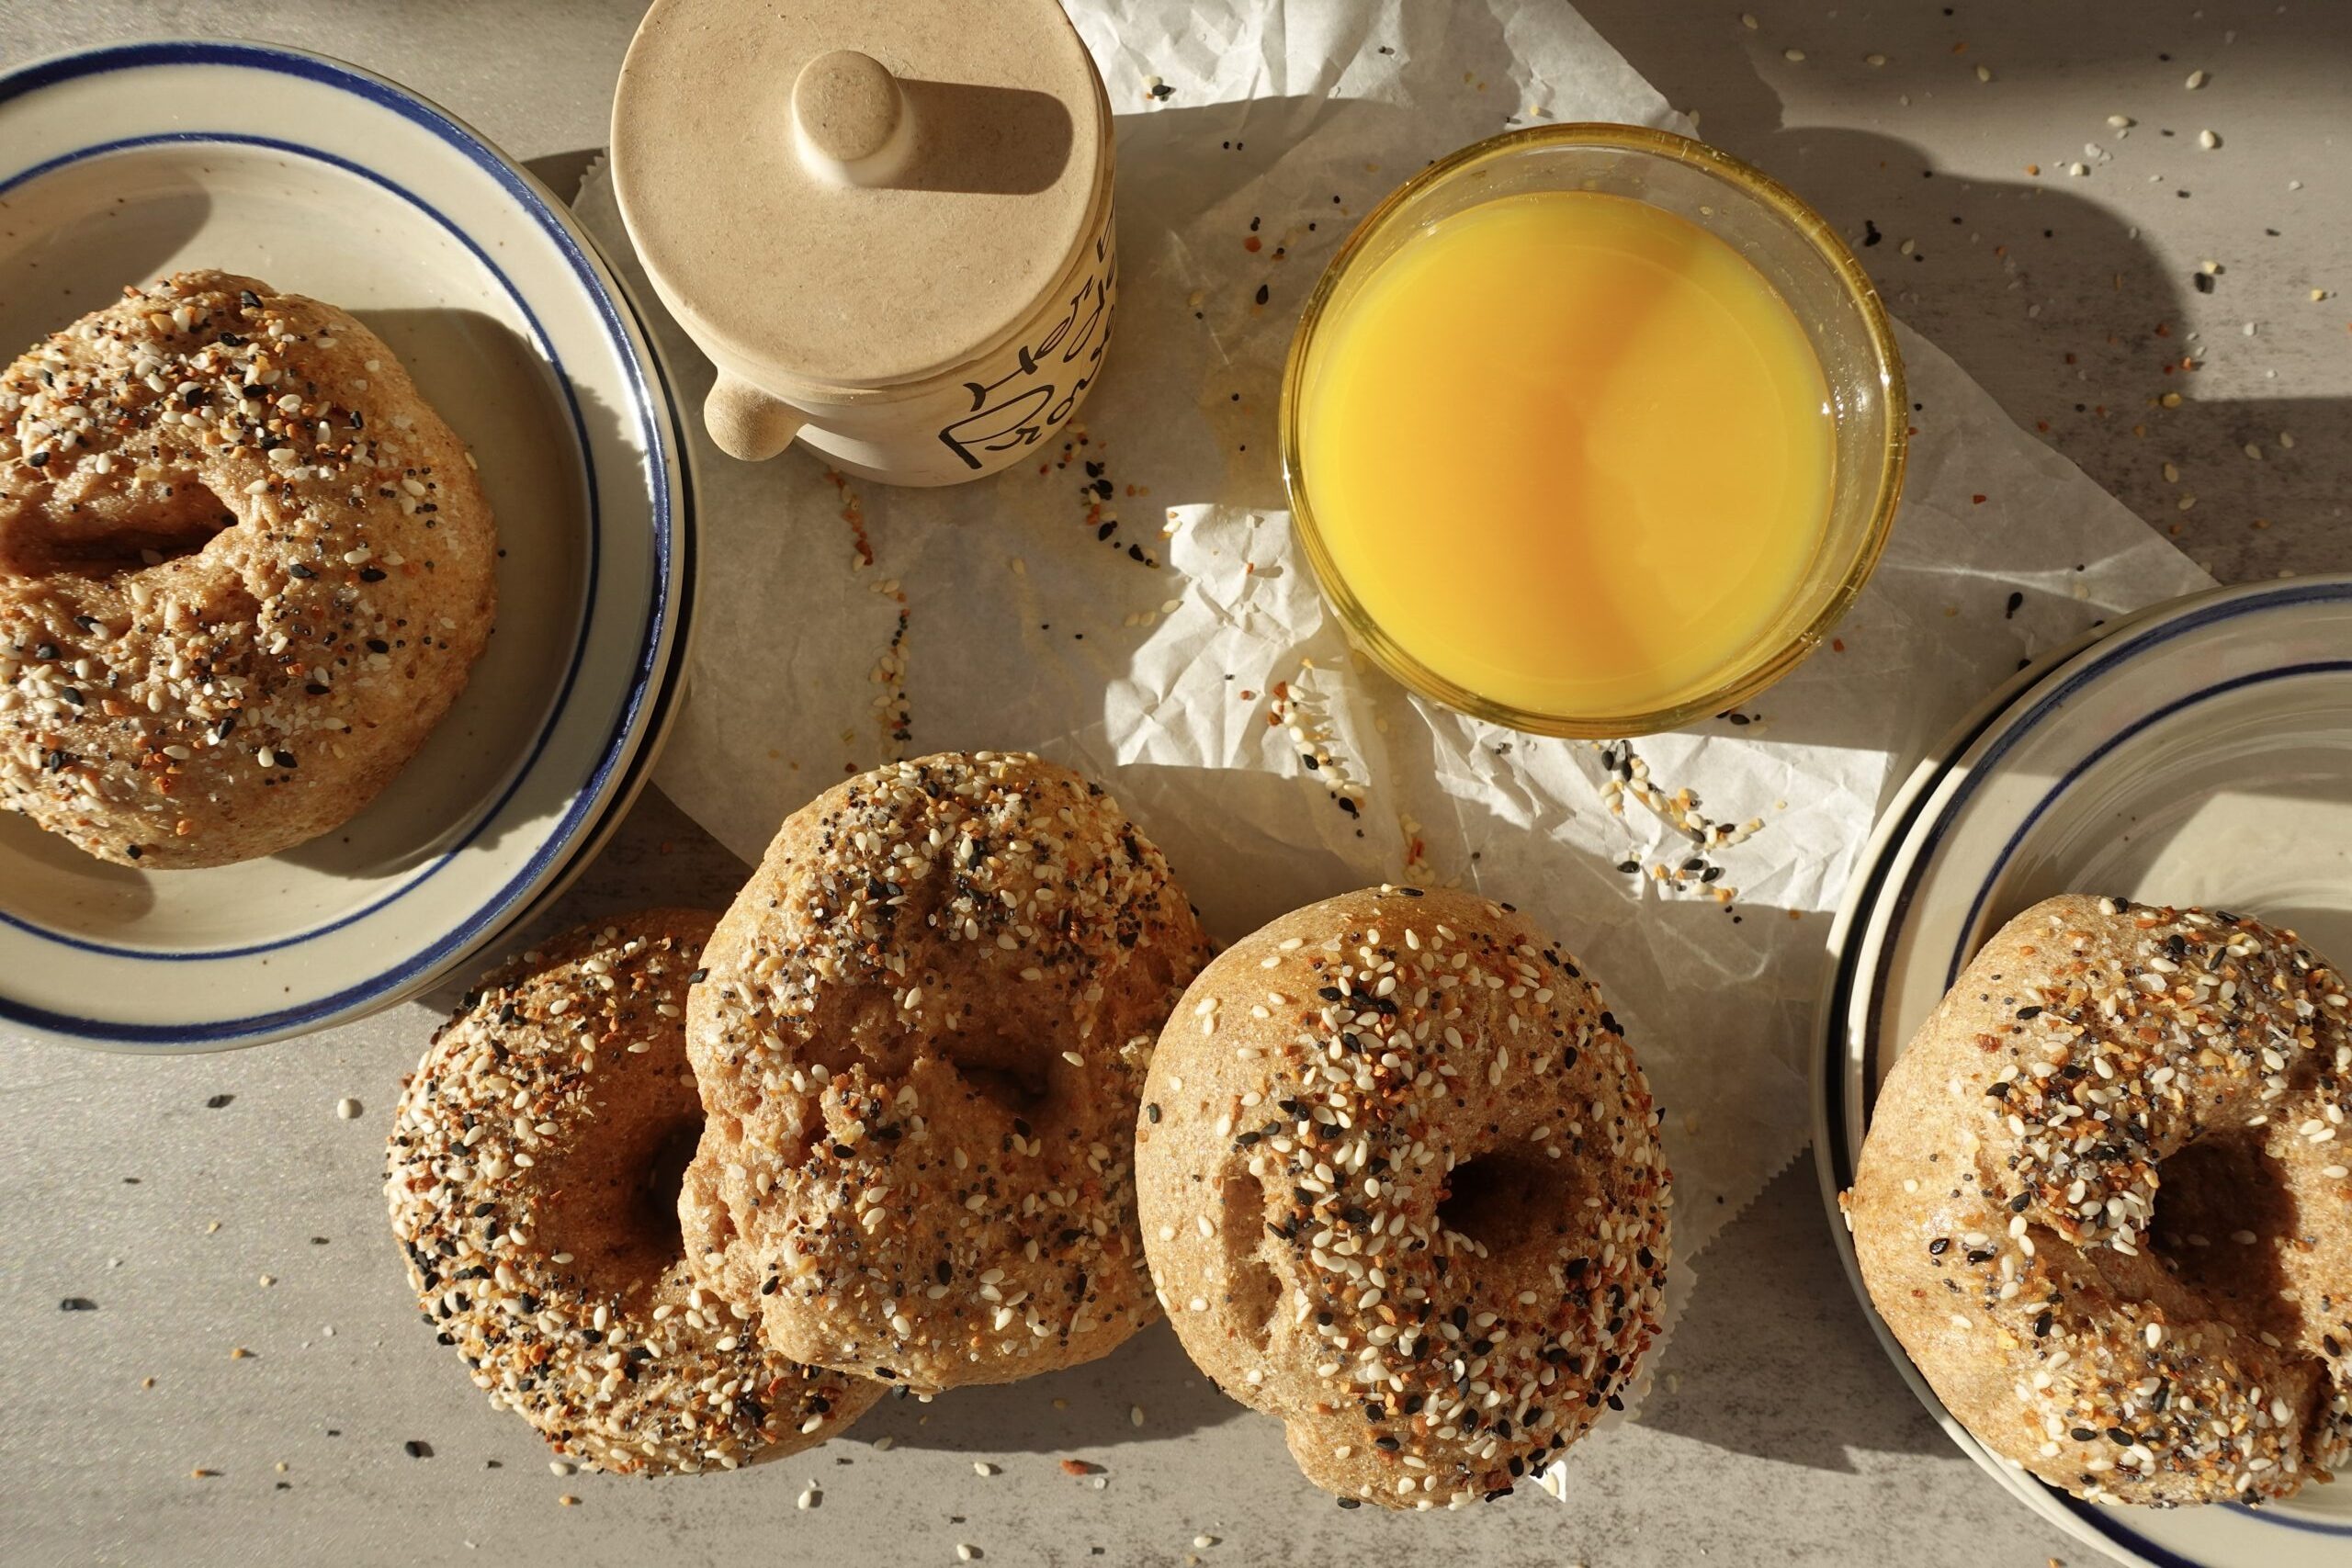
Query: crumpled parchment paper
pixel 1130 602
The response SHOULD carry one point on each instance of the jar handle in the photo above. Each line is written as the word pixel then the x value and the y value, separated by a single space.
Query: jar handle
pixel 746 422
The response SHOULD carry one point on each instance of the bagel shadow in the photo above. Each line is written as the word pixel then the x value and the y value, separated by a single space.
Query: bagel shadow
pixel 51 278
pixel 473 781
pixel 40 871
pixel 657 857
pixel 1775 1356
pixel 1072 1412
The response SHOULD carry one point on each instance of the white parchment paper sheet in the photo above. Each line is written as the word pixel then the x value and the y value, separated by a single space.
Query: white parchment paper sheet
pixel 1187 660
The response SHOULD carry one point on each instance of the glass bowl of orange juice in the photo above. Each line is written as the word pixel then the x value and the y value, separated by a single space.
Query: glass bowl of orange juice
pixel 1591 430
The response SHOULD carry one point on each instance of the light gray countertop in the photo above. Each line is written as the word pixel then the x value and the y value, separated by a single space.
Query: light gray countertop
pixel 206 1205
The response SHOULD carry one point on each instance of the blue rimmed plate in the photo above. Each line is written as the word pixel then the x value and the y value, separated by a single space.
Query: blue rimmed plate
pixel 121 164
pixel 2199 753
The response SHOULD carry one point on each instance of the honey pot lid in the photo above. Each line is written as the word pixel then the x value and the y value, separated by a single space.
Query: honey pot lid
pixel 854 192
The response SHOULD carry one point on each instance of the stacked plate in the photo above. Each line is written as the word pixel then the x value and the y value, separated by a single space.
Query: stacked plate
pixel 119 165
pixel 2198 753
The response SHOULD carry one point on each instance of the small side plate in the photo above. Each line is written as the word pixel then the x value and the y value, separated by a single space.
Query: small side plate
pixel 2199 753
pixel 121 164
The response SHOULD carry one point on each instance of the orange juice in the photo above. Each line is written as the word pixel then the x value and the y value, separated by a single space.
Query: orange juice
pixel 1570 452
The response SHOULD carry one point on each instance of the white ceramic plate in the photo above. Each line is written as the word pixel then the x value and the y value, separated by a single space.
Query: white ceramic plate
pixel 121 164
pixel 2199 753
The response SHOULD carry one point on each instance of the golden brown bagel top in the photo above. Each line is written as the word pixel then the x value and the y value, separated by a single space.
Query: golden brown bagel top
pixel 1401 1186
pixel 245 569
pixel 2103 1202
pixel 921 1043
pixel 529 1176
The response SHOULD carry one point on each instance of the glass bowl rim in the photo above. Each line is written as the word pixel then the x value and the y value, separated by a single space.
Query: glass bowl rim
pixel 1825 244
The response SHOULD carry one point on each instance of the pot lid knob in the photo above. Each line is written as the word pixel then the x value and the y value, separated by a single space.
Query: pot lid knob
pixel 850 115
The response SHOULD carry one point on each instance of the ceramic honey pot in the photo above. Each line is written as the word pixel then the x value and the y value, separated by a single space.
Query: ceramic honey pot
pixel 888 226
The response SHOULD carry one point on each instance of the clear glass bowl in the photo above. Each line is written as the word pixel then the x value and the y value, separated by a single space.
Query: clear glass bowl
pixel 1785 240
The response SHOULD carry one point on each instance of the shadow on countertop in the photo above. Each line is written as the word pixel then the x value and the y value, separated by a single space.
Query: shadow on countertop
pixel 1774 1356
pixel 2019 278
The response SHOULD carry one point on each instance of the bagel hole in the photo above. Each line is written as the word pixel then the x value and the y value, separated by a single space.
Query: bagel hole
pixel 1017 1093
pixel 656 1198
pixel 1501 1199
pixel 996 1070
pixel 2223 1187
pixel 111 533
pixel 1254 1291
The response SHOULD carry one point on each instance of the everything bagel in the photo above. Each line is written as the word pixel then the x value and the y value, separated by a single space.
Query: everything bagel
pixel 1401 1186
pixel 530 1175
pixel 2104 1203
pixel 922 1043
pixel 245 569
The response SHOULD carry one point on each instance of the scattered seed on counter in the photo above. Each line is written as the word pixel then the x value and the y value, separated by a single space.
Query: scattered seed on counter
pixel 348 1109
pixel 1099 494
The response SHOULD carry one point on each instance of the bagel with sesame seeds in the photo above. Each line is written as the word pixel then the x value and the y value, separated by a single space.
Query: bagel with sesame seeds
pixel 922 1043
pixel 1401 1186
pixel 532 1173
pixel 244 570
pixel 2104 1203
